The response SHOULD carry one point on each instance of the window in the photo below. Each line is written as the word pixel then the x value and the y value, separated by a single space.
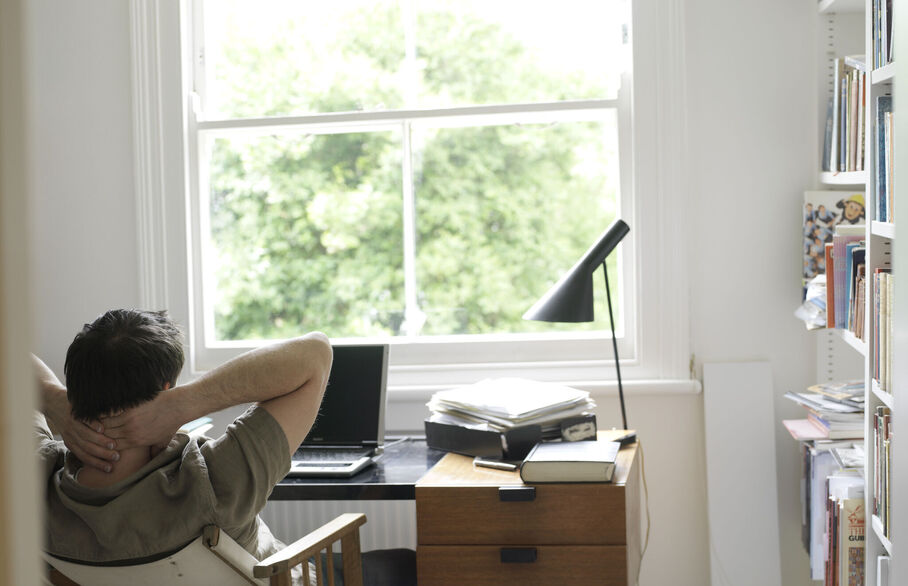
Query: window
pixel 415 171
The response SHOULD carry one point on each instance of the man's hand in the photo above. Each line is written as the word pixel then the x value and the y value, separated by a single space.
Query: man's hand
pixel 85 439
pixel 152 423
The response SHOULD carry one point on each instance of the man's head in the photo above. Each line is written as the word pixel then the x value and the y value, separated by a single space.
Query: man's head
pixel 122 359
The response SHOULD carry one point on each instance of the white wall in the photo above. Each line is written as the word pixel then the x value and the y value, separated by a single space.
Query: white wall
pixel 751 125
pixel 83 215
pixel 753 142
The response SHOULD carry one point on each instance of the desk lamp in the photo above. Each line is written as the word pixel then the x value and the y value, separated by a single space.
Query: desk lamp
pixel 571 298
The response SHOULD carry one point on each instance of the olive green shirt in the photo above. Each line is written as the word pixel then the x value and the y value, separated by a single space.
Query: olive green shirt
pixel 163 506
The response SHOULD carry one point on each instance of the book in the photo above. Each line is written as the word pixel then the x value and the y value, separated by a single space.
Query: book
pixel 842 237
pixel 883 107
pixel 851 542
pixel 830 288
pixel 584 461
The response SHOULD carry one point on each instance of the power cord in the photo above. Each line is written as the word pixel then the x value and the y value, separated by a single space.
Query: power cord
pixel 646 497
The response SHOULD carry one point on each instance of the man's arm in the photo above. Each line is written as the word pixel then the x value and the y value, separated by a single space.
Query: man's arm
pixel 288 379
pixel 85 439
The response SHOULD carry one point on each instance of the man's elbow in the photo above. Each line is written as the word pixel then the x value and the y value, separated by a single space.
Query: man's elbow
pixel 318 352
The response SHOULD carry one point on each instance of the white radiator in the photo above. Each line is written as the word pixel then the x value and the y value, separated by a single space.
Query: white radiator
pixel 389 524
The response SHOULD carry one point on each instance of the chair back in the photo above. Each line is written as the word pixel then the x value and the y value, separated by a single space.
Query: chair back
pixel 211 559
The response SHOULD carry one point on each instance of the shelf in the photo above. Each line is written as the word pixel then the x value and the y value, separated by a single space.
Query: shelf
pixel 833 6
pixel 844 178
pixel 852 340
pixel 882 74
pixel 878 531
pixel 884 229
pixel 882 395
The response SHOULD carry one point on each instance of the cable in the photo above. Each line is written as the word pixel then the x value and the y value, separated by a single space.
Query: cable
pixel 646 497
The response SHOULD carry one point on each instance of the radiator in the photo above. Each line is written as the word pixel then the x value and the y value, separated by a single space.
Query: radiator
pixel 389 524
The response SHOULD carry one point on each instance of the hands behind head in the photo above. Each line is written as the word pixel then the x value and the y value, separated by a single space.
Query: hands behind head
pixel 96 443
pixel 150 424
pixel 88 443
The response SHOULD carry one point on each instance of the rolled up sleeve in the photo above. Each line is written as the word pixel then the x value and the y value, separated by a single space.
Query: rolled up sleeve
pixel 244 465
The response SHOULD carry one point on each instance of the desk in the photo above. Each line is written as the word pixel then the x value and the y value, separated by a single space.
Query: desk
pixel 392 477
pixel 470 532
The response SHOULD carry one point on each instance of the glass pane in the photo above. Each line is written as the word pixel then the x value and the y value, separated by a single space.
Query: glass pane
pixel 517 51
pixel 305 233
pixel 503 212
pixel 282 57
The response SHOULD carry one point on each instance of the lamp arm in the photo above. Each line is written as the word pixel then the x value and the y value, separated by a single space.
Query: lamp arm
pixel 611 319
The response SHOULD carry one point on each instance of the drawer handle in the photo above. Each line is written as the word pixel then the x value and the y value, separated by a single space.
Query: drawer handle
pixel 516 494
pixel 518 555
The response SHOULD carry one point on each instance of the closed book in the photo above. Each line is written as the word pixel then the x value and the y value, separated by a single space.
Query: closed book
pixel 585 461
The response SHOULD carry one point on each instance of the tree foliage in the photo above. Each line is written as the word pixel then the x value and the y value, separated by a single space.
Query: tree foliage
pixel 307 229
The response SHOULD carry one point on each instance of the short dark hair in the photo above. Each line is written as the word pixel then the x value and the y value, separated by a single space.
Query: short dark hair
pixel 122 359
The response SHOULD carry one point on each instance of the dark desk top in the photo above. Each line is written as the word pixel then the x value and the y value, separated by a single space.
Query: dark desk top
pixel 392 477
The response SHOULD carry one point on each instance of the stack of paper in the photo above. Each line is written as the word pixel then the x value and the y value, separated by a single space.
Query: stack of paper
pixel 504 403
pixel 834 411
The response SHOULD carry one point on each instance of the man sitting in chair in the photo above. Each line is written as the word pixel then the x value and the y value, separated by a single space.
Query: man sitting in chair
pixel 129 487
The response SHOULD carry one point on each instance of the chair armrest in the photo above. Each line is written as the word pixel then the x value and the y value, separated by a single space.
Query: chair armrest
pixel 306 547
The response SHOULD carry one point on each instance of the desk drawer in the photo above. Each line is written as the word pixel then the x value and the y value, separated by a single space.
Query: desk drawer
pixel 442 565
pixel 563 514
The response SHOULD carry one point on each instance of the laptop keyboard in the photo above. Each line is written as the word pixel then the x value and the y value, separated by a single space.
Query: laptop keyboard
pixel 319 456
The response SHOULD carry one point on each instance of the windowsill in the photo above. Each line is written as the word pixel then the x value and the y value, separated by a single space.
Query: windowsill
pixel 407 393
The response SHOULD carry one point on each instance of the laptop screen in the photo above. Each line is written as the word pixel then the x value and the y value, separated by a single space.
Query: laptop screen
pixel 353 409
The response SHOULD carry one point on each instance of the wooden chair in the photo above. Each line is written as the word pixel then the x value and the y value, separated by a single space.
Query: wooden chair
pixel 217 560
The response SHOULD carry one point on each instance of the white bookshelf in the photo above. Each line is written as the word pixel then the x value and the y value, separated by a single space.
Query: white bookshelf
pixel 840 37
pixel 844 178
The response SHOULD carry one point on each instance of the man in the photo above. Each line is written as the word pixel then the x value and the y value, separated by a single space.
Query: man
pixel 132 489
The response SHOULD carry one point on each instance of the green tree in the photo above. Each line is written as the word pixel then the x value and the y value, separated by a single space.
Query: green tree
pixel 307 231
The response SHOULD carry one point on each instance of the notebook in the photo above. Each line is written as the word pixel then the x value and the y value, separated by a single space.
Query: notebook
pixel 348 431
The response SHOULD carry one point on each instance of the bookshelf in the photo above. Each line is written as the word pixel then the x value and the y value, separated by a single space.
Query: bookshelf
pixel 852 27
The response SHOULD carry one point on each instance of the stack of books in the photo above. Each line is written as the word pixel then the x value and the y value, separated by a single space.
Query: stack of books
pixel 506 417
pixel 834 411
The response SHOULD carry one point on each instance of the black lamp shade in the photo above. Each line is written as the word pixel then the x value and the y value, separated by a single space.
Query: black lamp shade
pixel 571 298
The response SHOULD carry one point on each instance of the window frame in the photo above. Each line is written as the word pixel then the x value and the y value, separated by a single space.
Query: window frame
pixel 655 350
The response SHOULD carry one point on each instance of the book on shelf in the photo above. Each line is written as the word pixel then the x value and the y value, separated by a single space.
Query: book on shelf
pixel 849 392
pixel 884 145
pixel 844 521
pixel 585 461
pixel 882 293
pixel 883 42
pixel 843 236
pixel 882 433
pixel 854 258
pixel 804 430
pixel 830 288
pixel 838 429
pixel 845 117
pixel 834 413
pixel 819 465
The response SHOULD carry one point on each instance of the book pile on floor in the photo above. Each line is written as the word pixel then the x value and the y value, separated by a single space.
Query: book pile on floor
pixel 506 417
pixel 835 410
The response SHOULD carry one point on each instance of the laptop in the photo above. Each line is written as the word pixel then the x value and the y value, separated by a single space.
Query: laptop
pixel 350 426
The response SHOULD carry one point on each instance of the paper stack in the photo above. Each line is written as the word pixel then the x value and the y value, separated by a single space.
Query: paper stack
pixel 834 411
pixel 505 417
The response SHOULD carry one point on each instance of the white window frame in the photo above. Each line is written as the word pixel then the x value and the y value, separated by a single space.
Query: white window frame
pixel 656 354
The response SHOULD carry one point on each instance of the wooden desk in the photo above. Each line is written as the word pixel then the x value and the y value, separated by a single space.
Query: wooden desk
pixel 471 531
